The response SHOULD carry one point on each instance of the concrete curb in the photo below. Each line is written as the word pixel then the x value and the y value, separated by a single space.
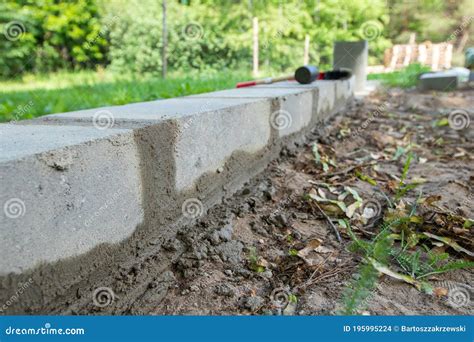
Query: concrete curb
pixel 120 176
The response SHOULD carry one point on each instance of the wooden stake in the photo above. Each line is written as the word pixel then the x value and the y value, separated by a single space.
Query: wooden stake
pixel 407 58
pixel 394 59
pixel 255 47
pixel 448 56
pixel 435 57
pixel 165 42
pixel 422 54
pixel 306 50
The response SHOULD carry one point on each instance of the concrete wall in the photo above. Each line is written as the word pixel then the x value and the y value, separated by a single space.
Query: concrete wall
pixel 83 188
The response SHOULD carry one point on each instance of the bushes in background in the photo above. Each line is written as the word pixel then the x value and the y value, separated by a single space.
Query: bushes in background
pixel 202 34
pixel 218 34
pixel 46 35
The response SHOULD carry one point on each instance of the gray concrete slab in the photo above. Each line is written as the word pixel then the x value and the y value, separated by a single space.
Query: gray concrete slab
pixel 294 109
pixel 73 181
pixel 254 92
pixel 353 56
pixel 288 84
pixel 144 113
pixel 64 191
pixel 207 129
pixel 18 141
pixel 325 94
pixel 205 142
pixel 442 81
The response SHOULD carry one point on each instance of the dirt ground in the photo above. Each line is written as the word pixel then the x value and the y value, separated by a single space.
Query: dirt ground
pixel 269 250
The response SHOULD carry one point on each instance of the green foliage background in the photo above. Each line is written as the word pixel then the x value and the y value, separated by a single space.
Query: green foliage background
pixel 210 35
pixel 223 32
pixel 57 36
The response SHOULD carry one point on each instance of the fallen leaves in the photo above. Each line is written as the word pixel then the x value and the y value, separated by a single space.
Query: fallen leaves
pixel 450 242
pixel 337 201
pixel 309 253
pixel 406 278
pixel 322 158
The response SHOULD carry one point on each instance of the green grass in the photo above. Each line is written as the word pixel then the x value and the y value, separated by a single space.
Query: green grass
pixel 37 95
pixel 405 78
pixel 414 259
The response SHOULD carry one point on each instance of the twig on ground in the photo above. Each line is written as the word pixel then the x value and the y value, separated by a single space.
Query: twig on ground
pixel 347 170
pixel 320 265
pixel 361 165
pixel 330 274
pixel 330 222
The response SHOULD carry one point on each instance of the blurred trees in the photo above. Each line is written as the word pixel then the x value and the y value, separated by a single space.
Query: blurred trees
pixel 45 35
pixel 213 34
pixel 216 34
pixel 434 20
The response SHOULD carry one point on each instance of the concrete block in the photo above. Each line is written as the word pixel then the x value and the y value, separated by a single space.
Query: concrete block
pixel 343 90
pixel 76 178
pixel 83 191
pixel 326 94
pixel 206 131
pixel 292 112
pixel 64 191
pixel 296 86
pixel 143 113
pixel 256 92
pixel 438 81
pixel 354 56
pixel 205 142
pixel 209 128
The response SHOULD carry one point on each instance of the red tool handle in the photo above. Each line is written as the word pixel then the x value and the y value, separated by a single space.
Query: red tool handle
pixel 246 84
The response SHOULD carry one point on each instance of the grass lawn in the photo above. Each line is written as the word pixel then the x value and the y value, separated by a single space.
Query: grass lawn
pixel 36 95
pixel 404 78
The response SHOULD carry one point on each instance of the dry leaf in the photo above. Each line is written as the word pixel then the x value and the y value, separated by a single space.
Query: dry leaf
pixel 440 292
pixel 311 246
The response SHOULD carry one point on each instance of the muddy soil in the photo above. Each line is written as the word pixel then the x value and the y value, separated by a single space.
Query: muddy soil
pixel 268 250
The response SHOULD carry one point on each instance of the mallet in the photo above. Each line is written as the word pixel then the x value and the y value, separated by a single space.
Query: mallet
pixel 303 75
pixel 338 74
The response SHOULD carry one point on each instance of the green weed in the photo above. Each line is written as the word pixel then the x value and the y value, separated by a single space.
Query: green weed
pixel 414 262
